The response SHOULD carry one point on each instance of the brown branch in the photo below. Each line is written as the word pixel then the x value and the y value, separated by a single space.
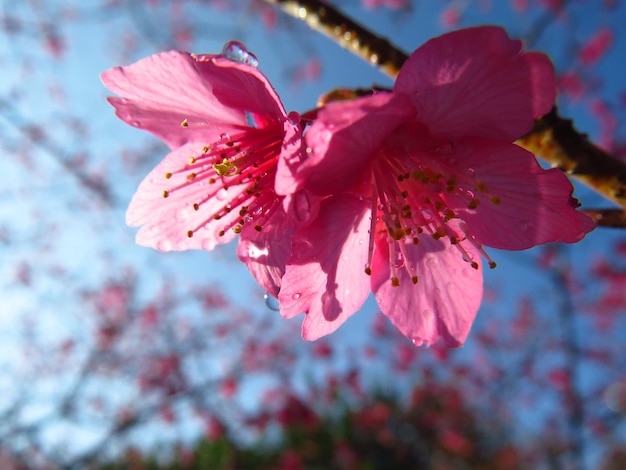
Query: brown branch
pixel 613 218
pixel 350 35
pixel 557 141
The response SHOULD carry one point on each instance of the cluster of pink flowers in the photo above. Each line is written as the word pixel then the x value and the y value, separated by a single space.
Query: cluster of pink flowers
pixel 395 193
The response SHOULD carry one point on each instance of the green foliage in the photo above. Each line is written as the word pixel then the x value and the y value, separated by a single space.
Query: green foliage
pixel 436 430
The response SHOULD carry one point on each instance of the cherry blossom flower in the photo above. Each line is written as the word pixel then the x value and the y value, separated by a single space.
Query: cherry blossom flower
pixel 227 129
pixel 417 180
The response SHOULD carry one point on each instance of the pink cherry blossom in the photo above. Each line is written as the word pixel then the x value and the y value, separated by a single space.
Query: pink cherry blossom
pixel 227 129
pixel 416 181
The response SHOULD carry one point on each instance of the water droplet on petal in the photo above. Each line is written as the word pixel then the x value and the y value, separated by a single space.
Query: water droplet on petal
pixel 237 52
pixel 296 296
pixel 294 118
pixel 417 341
pixel 271 302
pixel 471 172
pixel 222 194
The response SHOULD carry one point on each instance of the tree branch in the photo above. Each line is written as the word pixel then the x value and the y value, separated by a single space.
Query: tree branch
pixel 325 19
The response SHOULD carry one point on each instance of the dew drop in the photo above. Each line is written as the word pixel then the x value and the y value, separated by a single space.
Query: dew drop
pixel 361 241
pixel 294 118
pixel 237 52
pixel 417 341
pixel 296 296
pixel 271 302
pixel 222 194
pixel 432 261
pixel 471 172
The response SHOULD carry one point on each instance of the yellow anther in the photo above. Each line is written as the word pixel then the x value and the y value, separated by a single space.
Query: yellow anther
pixel 439 233
pixel 205 149
pixel 168 175
pixel 166 193
pixel 414 279
pixel 185 123
pixel 190 233
pixel 225 168
pixel 368 270
pixel 196 206
pixel 492 264
pixel 395 282
pixel 258 228
pixel 192 160
pixel 237 228
pixel 474 264
pixel 191 176
pixel 481 187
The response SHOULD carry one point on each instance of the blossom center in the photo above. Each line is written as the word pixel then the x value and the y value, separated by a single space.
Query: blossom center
pixel 238 173
pixel 414 196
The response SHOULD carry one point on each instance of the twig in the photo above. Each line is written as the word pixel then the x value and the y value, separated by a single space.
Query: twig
pixel 557 141
pixel 350 35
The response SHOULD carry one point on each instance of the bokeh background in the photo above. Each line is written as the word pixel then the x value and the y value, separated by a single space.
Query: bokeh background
pixel 115 354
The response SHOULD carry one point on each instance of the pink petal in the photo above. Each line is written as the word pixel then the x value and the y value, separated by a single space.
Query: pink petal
pixel 291 158
pixel 535 205
pixel 475 82
pixel 443 303
pixel 166 220
pixel 325 274
pixel 241 86
pixel 265 252
pixel 343 140
pixel 162 90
